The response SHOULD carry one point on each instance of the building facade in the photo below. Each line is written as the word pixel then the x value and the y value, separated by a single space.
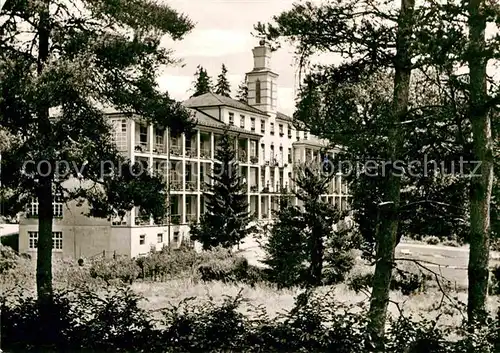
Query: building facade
pixel 268 146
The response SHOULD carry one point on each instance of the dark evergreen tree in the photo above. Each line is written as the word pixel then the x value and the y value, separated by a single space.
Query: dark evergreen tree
pixel 202 82
pixel 222 86
pixel 242 94
pixel 226 220
pixel 304 237
pixel 286 254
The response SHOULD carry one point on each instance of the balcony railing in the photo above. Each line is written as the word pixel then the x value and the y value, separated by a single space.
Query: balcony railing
pixel 242 156
pixel 254 188
pixel 191 185
pixel 205 153
pixel 159 149
pixel 190 218
pixel 141 147
pixel 175 185
pixel 254 159
pixel 175 150
pixel 205 186
pixel 191 152
pixel 175 219
pixel 142 220
pixel 274 162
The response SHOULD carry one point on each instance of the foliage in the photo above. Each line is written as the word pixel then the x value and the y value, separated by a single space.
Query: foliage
pixel 432 240
pixel 226 220
pixel 63 66
pixel 302 238
pixel 495 281
pixel 222 86
pixel 202 82
pixel 107 269
pixel 407 282
pixel 242 94
pixel 8 259
pixel 114 321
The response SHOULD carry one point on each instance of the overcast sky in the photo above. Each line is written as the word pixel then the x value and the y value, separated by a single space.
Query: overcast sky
pixel 223 35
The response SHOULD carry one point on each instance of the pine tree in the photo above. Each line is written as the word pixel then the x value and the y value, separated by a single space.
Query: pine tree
pixel 222 87
pixel 303 238
pixel 54 86
pixel 202 82
pixel 285 249
pixel 242 94
pixel 226 220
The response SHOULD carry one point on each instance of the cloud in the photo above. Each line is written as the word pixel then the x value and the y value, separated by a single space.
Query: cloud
pixel 212 43
pixel 176 86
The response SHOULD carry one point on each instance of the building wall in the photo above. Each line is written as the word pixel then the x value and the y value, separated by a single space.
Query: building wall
pixel 82 236
pixel 177 234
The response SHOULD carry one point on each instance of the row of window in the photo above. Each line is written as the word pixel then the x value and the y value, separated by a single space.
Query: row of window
pixel 57 240
pixel 159 238
pixel 281 127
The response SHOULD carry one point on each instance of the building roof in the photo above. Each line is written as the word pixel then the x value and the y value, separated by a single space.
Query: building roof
pixel 204 119
pixel 283 116
pixel 215 100
pixel 312 143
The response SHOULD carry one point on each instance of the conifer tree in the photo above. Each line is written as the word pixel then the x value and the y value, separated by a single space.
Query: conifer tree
pixel 303 238
pixel 226 219
pixel 222 87
pixel 242 94
pixel 202 82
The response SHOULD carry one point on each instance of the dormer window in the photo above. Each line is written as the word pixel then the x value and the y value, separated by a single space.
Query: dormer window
pixel 257 91
pixel 231 118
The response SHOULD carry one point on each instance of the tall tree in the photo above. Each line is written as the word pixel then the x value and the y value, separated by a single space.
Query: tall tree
pixel 222 86
pixel 378 131
pixel 226 220
pixel 338 28
pixel 482 151
pixel 61 63
pixel 242 94
pixel 202 82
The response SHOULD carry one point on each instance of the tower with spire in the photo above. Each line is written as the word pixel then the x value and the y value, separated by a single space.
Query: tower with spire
pixel 262 81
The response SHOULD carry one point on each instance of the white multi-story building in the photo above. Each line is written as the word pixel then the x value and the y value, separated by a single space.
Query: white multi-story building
pixel 268 148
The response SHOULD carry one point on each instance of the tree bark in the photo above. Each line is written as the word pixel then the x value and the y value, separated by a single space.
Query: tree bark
pixel 44 251
pixel 44 192
pixel 387 228
pixel 316 266
pixel 481 185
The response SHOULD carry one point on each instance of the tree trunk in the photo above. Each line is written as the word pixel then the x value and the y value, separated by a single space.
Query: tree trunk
pixel 44 192
pixel 481 185
pixel 316 266
pixel 387 228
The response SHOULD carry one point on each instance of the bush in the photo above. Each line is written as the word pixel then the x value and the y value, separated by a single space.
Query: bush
pixel 402 280
pixel 122 268
pixel 79 320
pixel 8 258
pixel 231 270
pixel 495 281
pixel 360 282
pixel 432 240
pixel 113 321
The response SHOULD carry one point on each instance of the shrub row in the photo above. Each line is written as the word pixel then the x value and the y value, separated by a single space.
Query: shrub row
pixel 114 321
pixel 214 265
